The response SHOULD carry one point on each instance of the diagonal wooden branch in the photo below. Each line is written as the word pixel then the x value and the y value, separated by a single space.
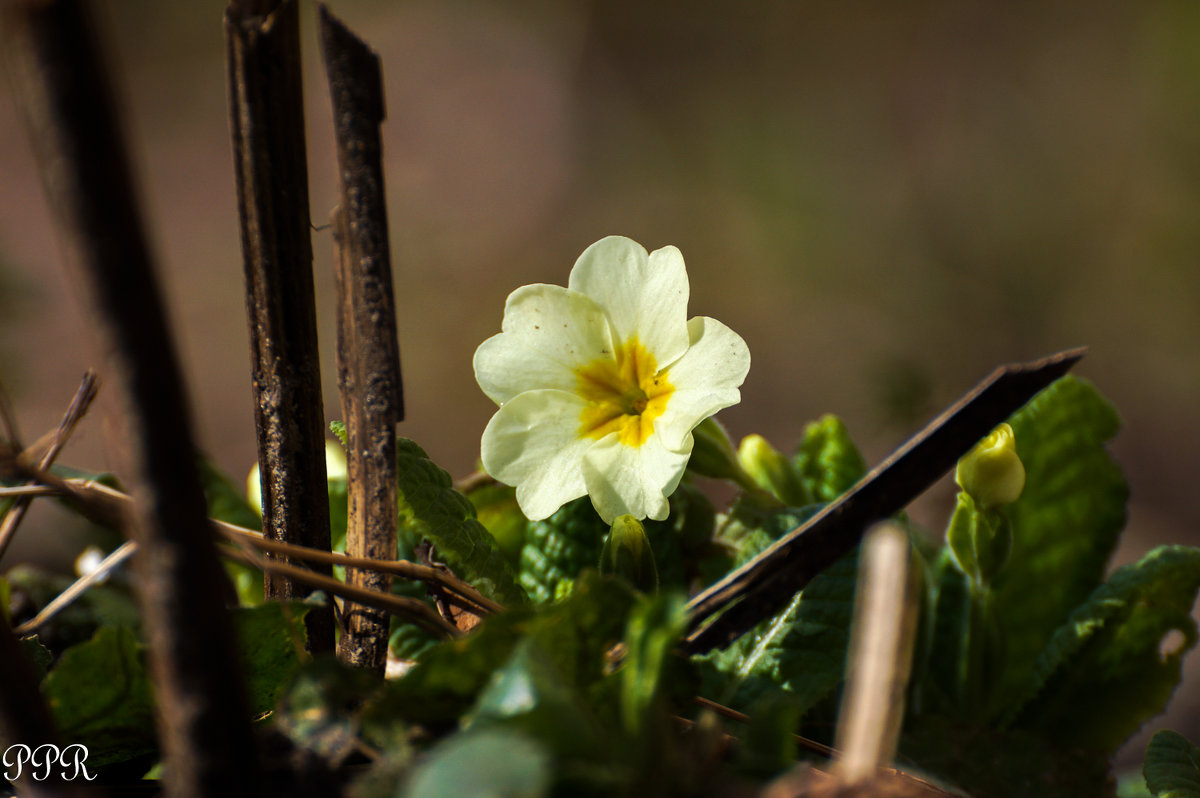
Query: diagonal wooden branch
pixel 75 412
pixel 267 120
pixel 66 95
pixel 368 350
pixel 762 587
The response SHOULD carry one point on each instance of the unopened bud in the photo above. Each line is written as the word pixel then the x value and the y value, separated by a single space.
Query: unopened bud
pixel 992 473
pixel 627 553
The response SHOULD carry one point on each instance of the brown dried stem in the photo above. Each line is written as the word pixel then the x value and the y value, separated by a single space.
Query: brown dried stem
pixel 75 412
pixel 110 507
pixel 267 121
pixel 368 349
pixel 65 92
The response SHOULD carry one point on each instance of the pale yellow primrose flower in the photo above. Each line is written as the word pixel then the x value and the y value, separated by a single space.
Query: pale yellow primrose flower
pixel 601 383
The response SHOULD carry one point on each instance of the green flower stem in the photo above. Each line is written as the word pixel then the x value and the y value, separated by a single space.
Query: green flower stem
pixel 980 650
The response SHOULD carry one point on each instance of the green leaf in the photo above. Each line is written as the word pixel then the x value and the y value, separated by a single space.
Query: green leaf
pixel 655 627
pixel 110 603
pixel 320 708
pixel 1172 766
pixel 432 510
pixel 531 695
pixel 1117 659
pixel 803 648
pixel 271 640
pixel 226 501
pixel 338 428
pixel 946 626
pixel 828 461
pixel 557 549
pixel 99 695
pixel 990 764
pixel 490 763
pixel 497 509
pixel 574 634
pixel 38 655
pixel 1064 526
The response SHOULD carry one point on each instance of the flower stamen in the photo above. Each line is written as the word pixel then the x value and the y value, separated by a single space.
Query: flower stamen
pixel 625 394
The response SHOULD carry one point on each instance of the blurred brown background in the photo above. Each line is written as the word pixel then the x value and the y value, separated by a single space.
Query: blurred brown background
pixel 884 200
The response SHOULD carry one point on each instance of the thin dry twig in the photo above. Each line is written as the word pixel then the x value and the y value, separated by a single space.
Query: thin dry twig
pixel 411 609
pixel 75 413
pixel 77 588
pixel 741 717
pixel 106 505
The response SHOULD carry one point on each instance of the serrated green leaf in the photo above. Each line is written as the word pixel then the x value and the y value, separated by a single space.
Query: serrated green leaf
pixel 828 461
pixel 497 509
pixel 803 648
pixel 432 510
pixel 1117 659
pixel 38 655
pixel 1172 766
pixel 1065 525
pixel 271 640
pixel 99 695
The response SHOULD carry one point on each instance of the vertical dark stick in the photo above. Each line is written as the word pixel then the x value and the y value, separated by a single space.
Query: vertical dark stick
pixel 267 120
pixel 368 350
pixel 68 100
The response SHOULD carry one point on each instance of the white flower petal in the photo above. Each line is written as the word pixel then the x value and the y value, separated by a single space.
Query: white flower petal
pixel 635 480
pixel 533 442
pixel 548 331
pixel 644 295
pixel 706 379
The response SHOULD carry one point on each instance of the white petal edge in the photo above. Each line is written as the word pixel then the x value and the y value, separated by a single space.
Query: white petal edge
pixel 706 379
pixel 548 332
pixel 532 442
pixel 636 480
pixel 643 295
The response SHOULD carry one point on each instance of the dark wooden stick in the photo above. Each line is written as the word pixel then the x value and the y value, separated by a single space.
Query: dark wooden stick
pixel 762 587
pixel 368 350
pixel 267 120
pixel 67 98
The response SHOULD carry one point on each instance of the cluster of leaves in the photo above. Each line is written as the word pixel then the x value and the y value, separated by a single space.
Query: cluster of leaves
pixel 578 687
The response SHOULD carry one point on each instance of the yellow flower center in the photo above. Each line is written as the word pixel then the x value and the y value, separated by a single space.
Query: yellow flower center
pixel 625 394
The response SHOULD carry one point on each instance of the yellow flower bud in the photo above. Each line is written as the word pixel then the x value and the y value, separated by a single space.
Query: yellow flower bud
pixel 992 473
